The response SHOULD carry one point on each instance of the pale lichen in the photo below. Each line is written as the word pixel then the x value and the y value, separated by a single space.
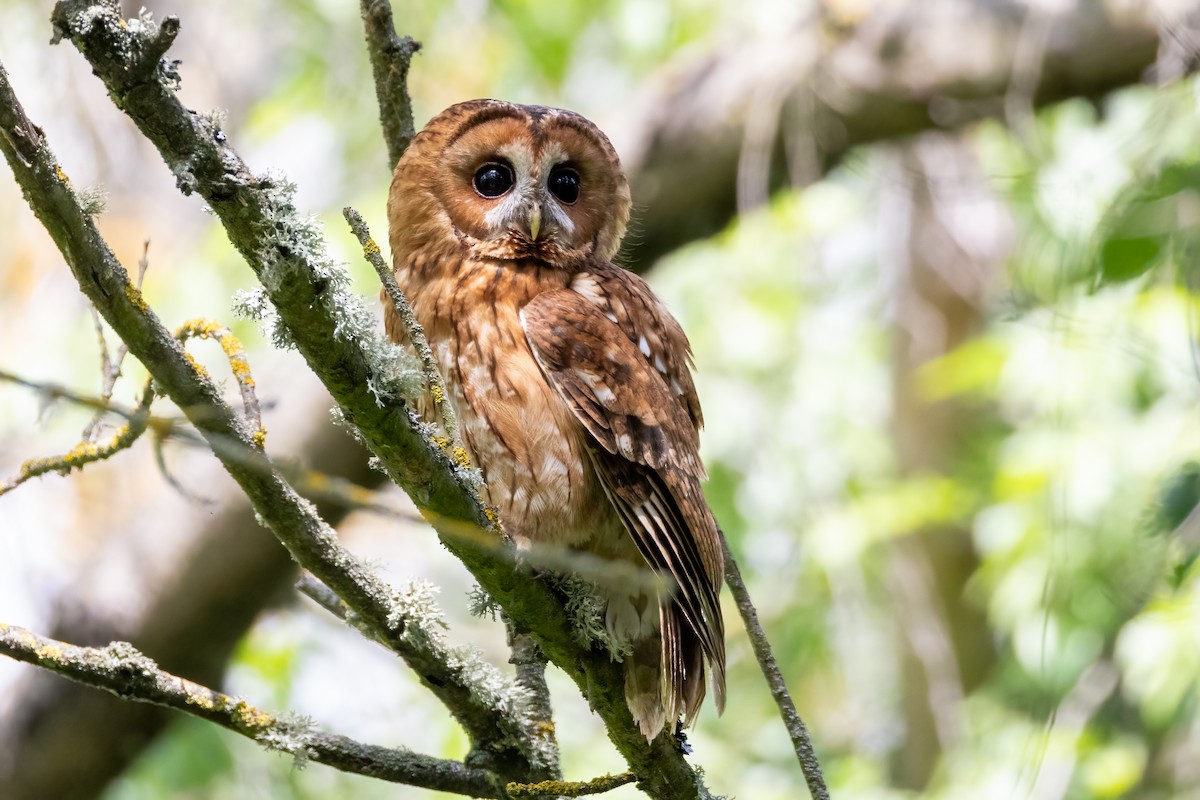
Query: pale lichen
pixel 251 304
pixel 585 609
pixel 481 604
pixel 291 734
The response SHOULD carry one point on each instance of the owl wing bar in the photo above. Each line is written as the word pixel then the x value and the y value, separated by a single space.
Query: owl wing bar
pixel 644 449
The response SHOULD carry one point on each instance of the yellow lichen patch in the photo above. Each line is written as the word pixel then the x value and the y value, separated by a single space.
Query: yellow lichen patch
pixel 492 516
pixel 248 716
pixel 49 653
pixel 80 451
pixel 260 438
pixel 118 437
pixel 441 441
pixel 134 295
pixel 570 788
pixel 195 364
pixel 438 395
pixel 544 728
pixel 462 457
pixel 241 371
pixel 230 344
pixel 371 248
pixel 204 701
pixel 62 176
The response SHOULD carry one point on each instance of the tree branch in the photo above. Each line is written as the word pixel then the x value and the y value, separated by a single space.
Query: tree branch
pixel 66 740
pixel 810 765
pixel 391 56
pixel 416 335
pixel 720 135
pixel 338 338
pixel 605 783
pixel 293 520
pixel 124 671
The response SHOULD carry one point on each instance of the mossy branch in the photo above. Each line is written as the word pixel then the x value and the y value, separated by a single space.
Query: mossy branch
pixel 122 670
pixel 236 355
pixel 605 783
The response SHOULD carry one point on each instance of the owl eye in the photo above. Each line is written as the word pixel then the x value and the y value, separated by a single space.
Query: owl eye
pixel 493 179
pixel 564 183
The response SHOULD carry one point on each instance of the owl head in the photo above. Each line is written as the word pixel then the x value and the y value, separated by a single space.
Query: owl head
pixel 512 182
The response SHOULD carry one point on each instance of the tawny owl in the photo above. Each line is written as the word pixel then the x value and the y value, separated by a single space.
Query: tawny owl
pixel 571 380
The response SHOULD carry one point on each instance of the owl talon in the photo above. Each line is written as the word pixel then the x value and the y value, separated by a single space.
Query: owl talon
pixel 681 740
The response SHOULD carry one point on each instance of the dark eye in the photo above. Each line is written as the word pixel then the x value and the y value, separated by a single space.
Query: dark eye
pixel 564 183
pixel 493 179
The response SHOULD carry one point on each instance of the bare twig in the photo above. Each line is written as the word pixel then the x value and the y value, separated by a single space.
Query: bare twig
pixel 321 594
pixel 796 728
pixel 391 56
pixel 137 422
pixel 110 366
pixel 605 783
pixel 416 334
pixel 123 670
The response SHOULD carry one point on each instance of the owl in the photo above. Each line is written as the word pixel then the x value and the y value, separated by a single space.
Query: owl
pixel 570 379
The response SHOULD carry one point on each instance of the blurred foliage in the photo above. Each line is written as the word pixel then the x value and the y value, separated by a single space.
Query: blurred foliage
pixel 1074 481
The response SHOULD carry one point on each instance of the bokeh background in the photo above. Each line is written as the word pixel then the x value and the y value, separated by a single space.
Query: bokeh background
pixel 950 384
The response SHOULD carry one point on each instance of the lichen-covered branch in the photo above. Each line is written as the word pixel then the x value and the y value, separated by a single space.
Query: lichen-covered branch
pixel 797 731
pixel 293 520
pixel 605 783
pixel 416 334
pixel 123 670
pixel 236 354
pixel 338 337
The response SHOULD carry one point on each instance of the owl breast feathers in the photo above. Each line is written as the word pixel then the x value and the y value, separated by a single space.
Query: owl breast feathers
pixel 571 380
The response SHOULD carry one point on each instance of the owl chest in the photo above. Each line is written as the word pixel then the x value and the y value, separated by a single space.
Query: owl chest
pixel 522 437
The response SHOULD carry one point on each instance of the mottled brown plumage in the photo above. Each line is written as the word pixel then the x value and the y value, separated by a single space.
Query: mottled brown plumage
pixel 571 380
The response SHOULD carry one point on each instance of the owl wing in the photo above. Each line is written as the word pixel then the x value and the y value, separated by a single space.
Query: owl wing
pixel 628 302
pixel 644 444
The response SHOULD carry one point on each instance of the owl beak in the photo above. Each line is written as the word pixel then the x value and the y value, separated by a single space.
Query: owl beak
pixel 535 222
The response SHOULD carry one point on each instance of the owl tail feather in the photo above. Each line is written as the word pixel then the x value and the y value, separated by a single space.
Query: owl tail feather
pixel 644 688
pixel 665 675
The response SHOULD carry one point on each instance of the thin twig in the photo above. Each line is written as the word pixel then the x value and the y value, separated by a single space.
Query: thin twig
pixel 236 355
pixel 797 731
pixel 137 422
pixel 121 669
pixel 110 367
pixel 322 595
pixel 416 334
